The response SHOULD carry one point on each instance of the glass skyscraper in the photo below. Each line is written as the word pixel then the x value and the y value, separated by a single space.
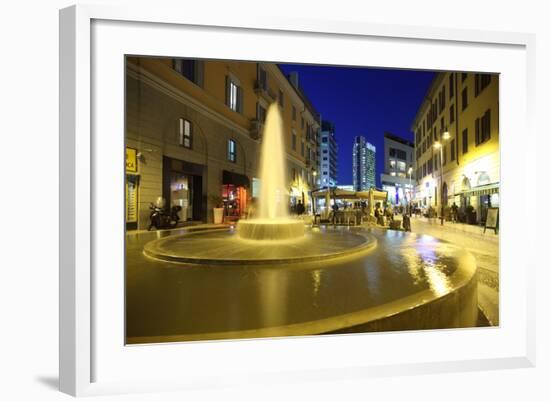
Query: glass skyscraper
pixel 329 155
pixel 364 164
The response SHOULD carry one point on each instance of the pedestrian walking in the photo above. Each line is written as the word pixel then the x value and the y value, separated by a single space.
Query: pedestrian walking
pixel 407 222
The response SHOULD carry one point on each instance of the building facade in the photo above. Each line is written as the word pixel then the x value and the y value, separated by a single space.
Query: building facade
pixel 328 157
pixel 193 135
pixel 457 145
pixel 398 178
pixel 364 164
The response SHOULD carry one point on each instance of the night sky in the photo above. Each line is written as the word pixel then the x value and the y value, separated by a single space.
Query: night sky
pixel 363 101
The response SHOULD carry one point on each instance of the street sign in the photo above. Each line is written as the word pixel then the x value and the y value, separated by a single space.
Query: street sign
pixel 492 219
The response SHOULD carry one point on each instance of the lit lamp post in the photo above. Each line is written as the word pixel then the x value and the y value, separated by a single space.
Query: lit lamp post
pixel 314 172
pixel 439 146
pixel 409 171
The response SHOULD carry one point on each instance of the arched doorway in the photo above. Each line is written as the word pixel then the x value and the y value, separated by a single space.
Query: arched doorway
pixel 484 200
pixel 464 214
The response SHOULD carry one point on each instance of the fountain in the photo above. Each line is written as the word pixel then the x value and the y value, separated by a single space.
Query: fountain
pixel 272 275
pixel 272 221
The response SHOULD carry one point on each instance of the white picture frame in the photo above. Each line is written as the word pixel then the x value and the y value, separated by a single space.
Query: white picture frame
pixel 91 362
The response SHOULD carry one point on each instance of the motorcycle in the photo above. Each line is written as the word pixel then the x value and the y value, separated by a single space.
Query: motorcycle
pixel 162 218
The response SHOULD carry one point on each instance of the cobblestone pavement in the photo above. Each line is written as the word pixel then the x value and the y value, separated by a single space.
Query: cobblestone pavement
pixel 485 249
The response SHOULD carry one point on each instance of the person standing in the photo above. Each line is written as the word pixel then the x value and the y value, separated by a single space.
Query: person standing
pixel 300 209
pixel 454 212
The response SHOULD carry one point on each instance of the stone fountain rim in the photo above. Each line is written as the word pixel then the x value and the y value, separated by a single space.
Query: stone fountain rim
pixel 465 276
pixel 150 251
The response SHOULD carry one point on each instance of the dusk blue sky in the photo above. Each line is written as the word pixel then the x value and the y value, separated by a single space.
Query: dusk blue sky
pixel 363 101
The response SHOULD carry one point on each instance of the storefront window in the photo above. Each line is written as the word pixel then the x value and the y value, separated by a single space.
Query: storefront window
pixel 235 199
pixel 181 195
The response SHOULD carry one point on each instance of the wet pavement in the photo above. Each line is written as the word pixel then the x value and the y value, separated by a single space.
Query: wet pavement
pixel 169 301
pixel 484 248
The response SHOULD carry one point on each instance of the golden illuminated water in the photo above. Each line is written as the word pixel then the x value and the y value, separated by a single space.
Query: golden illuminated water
pixel 273 198
pixel 272 221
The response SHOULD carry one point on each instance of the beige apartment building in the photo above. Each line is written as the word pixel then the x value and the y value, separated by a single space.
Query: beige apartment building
pixel 457 156
pixel 193 135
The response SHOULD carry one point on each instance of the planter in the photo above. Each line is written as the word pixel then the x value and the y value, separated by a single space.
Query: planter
pixel 218 215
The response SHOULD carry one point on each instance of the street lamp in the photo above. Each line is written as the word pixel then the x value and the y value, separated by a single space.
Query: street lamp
pixel 409 171
pixel 438 146
pixel 314 173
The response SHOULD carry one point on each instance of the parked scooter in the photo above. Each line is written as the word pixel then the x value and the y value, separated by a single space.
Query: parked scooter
pixel 162 218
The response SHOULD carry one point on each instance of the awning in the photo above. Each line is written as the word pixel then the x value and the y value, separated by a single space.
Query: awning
pixel 337 193
pixel 488 189
pixel 230 178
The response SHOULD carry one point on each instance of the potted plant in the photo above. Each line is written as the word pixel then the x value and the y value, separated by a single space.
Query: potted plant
pixel 217 201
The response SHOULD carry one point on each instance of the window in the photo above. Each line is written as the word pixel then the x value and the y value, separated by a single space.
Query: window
pixel 483 128
pixel 303 123
pixel 293 140
pixel 233 95
pixel 293 113
pixel 452 114
pixel 185 133
pixel 324 139
pixel 452 149
pixel 444 150
pixel 189 68
pixel 281 99
pixel 464 76
pixel 232 150
pixel 398 153
pixel 481 82
pixel 442 99
pixel 465 141
pixel 486 126
pixel 262 78
pixel 478 132
pixel 464 98
pixel 451 86
pixel 302 147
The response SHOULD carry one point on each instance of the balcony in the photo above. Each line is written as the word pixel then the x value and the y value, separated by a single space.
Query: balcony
pixel 256 129
pixel 262 90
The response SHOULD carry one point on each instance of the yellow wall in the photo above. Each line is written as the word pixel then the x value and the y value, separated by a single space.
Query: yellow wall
pixel 486 99
pixel 212 94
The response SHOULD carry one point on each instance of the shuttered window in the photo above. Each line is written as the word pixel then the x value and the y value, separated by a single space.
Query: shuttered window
pixel 233 95
pixel 185 133
pixel 465 141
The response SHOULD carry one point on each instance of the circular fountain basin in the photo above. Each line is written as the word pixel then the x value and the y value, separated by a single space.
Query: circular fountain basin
pixel 404 282
pixel 270 229
pixel 223 247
